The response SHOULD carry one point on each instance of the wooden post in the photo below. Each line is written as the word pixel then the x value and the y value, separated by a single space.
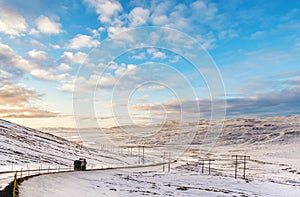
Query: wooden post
pixel 139 154
pixel 236 163
pixel 143 158
pixel 21 172
pixel 15 185
pixel 169 164
pixel 202 166
pixel 209 167
pixel 164 162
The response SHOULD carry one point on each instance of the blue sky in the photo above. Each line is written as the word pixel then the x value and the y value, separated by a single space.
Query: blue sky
pixel 49 60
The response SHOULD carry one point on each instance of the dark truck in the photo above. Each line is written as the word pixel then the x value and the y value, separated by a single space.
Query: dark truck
pixel 80 165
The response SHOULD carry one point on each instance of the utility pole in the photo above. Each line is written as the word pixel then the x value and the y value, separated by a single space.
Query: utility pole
pixel 244 159
pixel 209 165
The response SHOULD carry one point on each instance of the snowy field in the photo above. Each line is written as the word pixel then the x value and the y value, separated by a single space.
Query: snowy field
pixel 272 144
pixel 126 183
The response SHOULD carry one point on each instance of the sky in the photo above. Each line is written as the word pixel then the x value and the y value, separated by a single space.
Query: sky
pixel 86 63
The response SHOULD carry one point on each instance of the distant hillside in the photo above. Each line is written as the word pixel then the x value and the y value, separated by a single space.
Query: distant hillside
pixel 269 130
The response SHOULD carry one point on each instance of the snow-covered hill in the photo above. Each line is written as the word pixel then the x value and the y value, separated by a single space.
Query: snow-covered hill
pixel 269 130
pixel 22 145
pixel 26 148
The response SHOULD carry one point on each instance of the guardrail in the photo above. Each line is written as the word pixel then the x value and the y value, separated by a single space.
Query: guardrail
pixel 12 189
pixel 18 176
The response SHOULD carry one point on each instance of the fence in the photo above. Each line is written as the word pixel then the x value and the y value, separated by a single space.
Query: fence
pixel 19 176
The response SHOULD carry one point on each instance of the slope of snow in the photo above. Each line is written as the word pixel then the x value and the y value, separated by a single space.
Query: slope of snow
pixel 25 148
pixel 121 183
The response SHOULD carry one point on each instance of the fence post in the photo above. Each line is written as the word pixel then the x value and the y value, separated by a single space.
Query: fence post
pixel 164 162
pixel 209 167
pixel 139 154
pixel 169 165
pixel 143 155
pixel 236 163
pixel 15 185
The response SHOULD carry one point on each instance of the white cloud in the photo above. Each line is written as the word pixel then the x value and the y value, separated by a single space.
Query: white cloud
pixel 63 67
pixel 55 46
pixel 9 57
pixel 156 54
pixel 47 26
pixel 38 55
pixel 123 70
pixel 82 41
pixel 107 9
pixel 138 16
pixel 119 33
pixel 198 14
pixel 160 20
pixel 34 31
pixel 11 22
pixel 159 54
pixel 204 10
pixel 106 80
pixel 81 84
pixel 75 58
pixel 139 56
